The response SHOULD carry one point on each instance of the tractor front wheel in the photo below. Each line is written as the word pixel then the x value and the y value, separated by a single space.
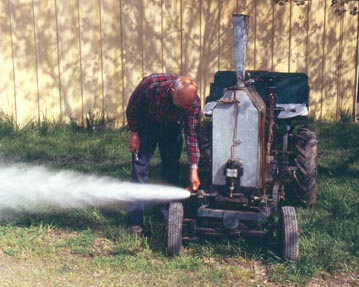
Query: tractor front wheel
pixel 174 228
pixel 289 233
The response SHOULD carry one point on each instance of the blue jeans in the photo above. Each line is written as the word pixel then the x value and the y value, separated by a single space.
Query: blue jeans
pixel 169 141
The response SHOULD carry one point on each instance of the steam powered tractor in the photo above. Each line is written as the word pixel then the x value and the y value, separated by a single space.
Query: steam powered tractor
pixel 256 150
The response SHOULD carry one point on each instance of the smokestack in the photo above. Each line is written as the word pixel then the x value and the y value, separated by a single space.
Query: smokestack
pixel 240 29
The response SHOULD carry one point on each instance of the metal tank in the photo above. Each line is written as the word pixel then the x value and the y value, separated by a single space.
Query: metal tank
pixel 238 120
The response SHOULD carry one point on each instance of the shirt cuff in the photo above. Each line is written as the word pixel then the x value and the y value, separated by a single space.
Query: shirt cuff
pixel 194 166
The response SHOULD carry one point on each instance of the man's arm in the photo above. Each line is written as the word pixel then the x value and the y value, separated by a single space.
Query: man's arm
pixel 135 104
pixel 192 127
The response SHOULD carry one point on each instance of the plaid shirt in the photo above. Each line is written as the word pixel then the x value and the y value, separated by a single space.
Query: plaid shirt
pixel 152 100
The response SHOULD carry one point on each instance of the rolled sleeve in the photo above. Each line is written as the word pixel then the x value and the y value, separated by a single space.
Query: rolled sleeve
pixel 192 127
pixel 135 104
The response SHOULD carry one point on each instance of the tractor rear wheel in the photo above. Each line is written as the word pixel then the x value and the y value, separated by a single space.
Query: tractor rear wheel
pixel 289 233
pixel 174 228
pixel 205 161
pixel 306 161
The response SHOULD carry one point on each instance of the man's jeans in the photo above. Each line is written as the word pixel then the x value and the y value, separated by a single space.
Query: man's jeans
pixel 169 141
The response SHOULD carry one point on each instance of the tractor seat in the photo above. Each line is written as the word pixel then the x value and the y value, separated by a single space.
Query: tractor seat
pixel 288 111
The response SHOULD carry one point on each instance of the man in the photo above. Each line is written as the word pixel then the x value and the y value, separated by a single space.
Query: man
pixel 158 109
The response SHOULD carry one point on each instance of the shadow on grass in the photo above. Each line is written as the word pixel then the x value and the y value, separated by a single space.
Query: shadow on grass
pixel 338 149
pixel 341 169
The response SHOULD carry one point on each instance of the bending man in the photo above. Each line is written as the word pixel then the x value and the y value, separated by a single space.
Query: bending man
pixel 159 108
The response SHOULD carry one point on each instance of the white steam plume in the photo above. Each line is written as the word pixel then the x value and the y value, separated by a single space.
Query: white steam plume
pixel 29 189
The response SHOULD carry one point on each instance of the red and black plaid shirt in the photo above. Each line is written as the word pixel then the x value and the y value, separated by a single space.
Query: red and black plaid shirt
pixel 152 100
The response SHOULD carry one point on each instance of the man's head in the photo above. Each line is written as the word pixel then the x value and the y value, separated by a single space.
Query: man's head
pixel 184 92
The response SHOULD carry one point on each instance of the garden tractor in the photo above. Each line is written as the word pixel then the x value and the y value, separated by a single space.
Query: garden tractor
pixel 256 151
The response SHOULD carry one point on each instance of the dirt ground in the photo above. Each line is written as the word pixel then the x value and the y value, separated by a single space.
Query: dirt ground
pixel 342 280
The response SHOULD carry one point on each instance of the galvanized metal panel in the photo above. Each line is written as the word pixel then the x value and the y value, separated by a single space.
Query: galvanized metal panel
pixel 249 133
pixel 240 31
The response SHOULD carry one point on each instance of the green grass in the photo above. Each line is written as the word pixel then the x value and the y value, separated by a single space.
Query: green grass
pixel 329 240
pixel 92 247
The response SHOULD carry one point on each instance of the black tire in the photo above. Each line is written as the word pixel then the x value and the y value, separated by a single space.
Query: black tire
pixel 205 143
pixel 306 162
pixel 205 161
pixel 289 233
pixel 174 228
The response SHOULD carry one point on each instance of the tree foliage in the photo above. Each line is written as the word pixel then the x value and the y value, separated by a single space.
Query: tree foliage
pixel 340 6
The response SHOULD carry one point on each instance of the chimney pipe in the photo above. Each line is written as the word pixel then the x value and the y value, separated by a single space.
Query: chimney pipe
pixel 240 29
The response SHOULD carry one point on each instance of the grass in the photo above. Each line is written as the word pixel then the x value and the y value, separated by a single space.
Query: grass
pixel 92 247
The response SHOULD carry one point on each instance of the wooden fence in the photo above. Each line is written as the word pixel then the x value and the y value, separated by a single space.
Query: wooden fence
pixel 68 60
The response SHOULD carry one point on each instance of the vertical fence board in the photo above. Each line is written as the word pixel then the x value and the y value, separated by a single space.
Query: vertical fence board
pixel 23 47
pixel 69 60
pixel 191 39
pixel 91 66
pixel 209 43
pixel 152 37
pixel 171 36
pixel 111 53
pixel 315 57
pixel 7 96
pixel 298 38
pixel 226 50
pixel 348 64
pixel 131 29
pixel 264 36
pixel 281 32
pixel 47 60
pixel 331 62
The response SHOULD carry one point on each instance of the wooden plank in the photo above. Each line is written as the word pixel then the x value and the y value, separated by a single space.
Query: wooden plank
pixel 191 40
pixel 22 28
pixel 226 51
pixel 281 36
pixel 209 44
pixel 298 38
pixel 315 57
pixel 47 60
pixel 131 29
pixel 91 66
pixel 330 68
pixel 152 37
pixel 111 53
pixel 171 37
pixel 348 53
pixel 69 60
pixel 264 35
pixel 7 93
pixel 248 7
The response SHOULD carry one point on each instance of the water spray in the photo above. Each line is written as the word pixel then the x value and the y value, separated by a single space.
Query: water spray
pixel 31 189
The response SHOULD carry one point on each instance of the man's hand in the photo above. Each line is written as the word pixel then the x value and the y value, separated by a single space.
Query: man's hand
pixel 134 142
pixel 194 179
